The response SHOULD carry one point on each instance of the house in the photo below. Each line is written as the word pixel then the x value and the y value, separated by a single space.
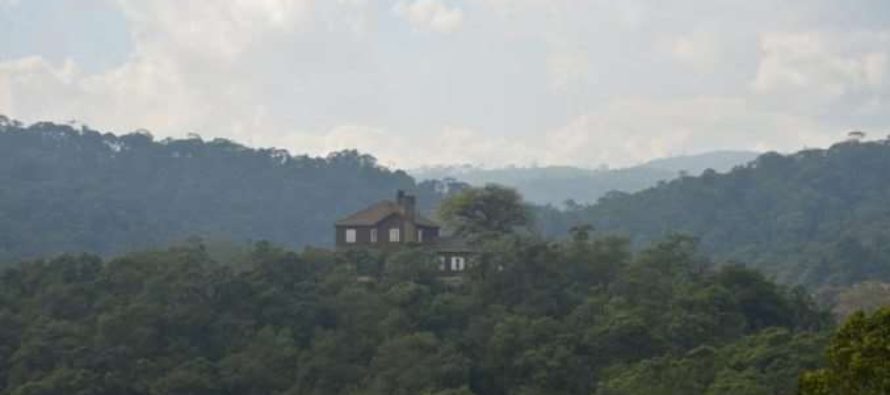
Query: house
pixel 393 223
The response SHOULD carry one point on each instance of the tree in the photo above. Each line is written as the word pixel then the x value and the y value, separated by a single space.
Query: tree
pixel 484 211
pixel 858 359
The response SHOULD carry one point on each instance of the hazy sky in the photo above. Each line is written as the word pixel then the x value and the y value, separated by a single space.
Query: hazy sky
pixel 489 82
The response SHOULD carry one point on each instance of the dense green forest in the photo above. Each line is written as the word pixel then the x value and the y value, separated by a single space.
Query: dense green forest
pixel 583 316
pixel 78 190
pixel 588 313
pixel 816 217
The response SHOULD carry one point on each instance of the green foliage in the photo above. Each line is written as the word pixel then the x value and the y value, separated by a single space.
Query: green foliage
pixel 816 217
pixel 858 359
pixel 492 209
pixel 584 316
pixel 762 363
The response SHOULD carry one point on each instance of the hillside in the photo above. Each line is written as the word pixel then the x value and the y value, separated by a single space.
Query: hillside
pixel 556 184
pixel 814 217
pixel 81 190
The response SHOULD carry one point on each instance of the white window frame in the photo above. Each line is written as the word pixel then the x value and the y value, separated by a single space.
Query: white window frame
pixel 395 235
pixel 351 235
pixel 458 263
pixel 373 235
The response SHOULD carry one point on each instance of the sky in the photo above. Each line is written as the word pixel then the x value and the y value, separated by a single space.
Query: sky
pixel 436 82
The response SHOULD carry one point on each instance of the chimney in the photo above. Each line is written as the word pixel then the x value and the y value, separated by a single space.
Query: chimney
pixel 408 206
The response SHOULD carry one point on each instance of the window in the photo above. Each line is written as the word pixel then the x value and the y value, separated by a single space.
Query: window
pixel 374 235
pixel 394 235
pixel 420 235
pixel 350 236
pixel 441 263
pixel 458 263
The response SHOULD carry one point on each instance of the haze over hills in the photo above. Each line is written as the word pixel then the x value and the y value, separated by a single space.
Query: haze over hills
pixel 557 184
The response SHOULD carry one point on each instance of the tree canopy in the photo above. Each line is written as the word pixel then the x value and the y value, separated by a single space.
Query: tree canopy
pixel 530 317
pixel 491 210
pixel 817 217
pixel 858 359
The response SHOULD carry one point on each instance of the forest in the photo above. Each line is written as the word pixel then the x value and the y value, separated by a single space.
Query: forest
pixel 585 315
pixel 79 190
pixel 817 217
pixel 136 266
pixel 532 317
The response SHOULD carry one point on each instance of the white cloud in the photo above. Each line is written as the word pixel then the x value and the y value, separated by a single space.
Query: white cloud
pixel 630 131
pixel 186 72
pixel 625 132
pixel 818 68
pixel 699 50
pixel 221 30
pixel 546 81
pixel 569 67
pixel 448 145
pixel 430 15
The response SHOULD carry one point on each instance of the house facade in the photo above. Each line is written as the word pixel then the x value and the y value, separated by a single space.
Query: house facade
pixel 391 223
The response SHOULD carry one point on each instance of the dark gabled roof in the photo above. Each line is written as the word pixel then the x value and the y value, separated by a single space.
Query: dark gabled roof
pixel 378 212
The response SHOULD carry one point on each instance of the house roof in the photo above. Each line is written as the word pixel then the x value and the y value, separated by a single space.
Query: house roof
pixel 377 212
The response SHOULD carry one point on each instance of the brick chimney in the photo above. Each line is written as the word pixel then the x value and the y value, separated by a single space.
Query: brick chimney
pixel 408 207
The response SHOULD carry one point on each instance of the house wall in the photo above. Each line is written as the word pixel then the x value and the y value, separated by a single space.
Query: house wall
pixel 446 257
pixel 363 233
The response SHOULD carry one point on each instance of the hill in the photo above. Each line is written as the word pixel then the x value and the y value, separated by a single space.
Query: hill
pixel 817 217
pixel 556 184
pixel 76 190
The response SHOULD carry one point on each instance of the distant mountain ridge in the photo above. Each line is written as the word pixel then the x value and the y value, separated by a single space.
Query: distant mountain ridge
pixel 719 161
pixel 557 184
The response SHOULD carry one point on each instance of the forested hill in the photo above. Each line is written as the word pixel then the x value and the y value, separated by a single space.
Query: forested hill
pixel 74 190
pixel 814 217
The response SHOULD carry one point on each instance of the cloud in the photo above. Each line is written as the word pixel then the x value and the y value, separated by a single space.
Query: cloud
pixel 221 30
pixel 569 67
pixel 625 132
pixel 448 145
pixel 820 69
pixel 187 71
pixel 630 131
pixel 699 50
pixel 430 15
pixel 545 81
